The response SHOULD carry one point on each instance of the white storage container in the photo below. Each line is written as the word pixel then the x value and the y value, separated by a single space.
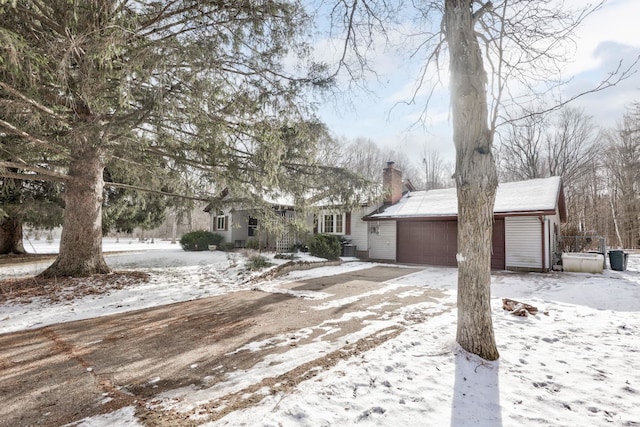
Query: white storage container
pixel 582 262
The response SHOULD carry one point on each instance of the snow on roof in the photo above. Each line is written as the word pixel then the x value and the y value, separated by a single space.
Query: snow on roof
pixel 531 195
pixel 521 196
pixel 279 199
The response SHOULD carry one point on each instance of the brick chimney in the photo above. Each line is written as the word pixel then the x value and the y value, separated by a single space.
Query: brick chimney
pixel 391 184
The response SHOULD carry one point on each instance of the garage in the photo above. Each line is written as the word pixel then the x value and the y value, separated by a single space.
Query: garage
pixel 421 227
pixel 435 243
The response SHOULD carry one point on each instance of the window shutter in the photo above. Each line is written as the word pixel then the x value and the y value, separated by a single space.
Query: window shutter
pixel 215 223
pixel 226 222
pixel 347 226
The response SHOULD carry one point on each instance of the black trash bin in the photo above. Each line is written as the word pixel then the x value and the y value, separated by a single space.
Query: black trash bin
pixel 618 260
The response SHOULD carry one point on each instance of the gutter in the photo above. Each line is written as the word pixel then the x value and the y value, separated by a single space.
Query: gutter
pixel 449 217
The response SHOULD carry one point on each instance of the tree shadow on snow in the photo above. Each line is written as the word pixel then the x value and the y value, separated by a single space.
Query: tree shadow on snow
pixel 476 393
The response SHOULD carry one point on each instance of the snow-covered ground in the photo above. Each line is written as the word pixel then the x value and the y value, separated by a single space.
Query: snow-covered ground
pixel 577 362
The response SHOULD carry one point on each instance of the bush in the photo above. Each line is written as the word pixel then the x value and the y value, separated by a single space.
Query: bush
pixel 257 262
pixel 299 247
pixel 286 256
pixel 227 247
pixel 200 240
pixel 252 244
pixel 325 246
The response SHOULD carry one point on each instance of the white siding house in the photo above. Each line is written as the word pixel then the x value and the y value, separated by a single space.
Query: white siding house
pixel 239 226
pixel 420 227
pixel 359 236
pixel 328 219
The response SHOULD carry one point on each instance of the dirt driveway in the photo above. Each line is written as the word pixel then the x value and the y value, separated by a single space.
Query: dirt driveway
pixel 63 373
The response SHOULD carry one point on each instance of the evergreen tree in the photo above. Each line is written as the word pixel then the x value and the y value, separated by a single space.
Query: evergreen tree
pixel 200 84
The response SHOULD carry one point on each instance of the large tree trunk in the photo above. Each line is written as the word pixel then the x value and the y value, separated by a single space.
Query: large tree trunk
pixel 81 240
pixel 11 236
pixel 476 181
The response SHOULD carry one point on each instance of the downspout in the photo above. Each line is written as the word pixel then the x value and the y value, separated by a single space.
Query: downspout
pixel 541 218
pixel 552 249
pixel 397 238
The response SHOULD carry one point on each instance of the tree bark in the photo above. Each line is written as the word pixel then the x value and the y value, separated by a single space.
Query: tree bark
pixel 81 241
pixel 11 236
pixel 476 181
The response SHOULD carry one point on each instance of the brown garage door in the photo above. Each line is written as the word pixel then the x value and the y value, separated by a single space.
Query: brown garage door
pixel 427 242
pixel 435 243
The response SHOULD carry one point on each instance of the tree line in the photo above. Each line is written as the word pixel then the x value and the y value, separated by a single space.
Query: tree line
pixel 600 169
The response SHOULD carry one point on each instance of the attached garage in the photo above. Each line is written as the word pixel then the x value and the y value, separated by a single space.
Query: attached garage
pixel 527 217
pixel 435 243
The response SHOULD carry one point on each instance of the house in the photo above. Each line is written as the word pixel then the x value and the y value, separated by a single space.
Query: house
pixel 413 227
pixel 240 223
pixel 420 227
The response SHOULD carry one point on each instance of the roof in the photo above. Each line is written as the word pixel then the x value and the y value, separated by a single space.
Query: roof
pixel 272 198
pixel 282 200
pixel 543 195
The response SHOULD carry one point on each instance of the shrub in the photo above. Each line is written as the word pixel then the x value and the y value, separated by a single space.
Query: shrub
pixel 257 262
pixel 299 247
pixel 325 246
pixel 228 247
pixel 286 256
pixel 252 244
pixel 200 240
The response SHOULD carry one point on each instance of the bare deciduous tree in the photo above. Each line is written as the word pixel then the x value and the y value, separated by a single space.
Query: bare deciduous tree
pixel 561 143
pixel 498 54
pixel 365 158
pixel 570 149
pixel 599 170
pixel 521 153
pixel 622 163
pixel 437 171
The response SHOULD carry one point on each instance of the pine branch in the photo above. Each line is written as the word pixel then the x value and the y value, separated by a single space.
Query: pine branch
pixel 159 192
pixel 32 176
pixel 30 101
pixel 41 142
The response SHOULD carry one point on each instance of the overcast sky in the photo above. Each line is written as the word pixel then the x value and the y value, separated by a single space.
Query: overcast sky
pixel 607 37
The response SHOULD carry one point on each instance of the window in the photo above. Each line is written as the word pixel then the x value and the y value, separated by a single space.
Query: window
pixel 221 222
pixel 332 224
pixel 253 227
pixel 338 221
pixel 328 224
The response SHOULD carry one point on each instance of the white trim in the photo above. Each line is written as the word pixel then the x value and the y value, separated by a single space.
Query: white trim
pixel 336 219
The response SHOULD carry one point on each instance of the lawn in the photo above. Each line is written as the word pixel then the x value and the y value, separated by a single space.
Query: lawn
pixel 576 362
